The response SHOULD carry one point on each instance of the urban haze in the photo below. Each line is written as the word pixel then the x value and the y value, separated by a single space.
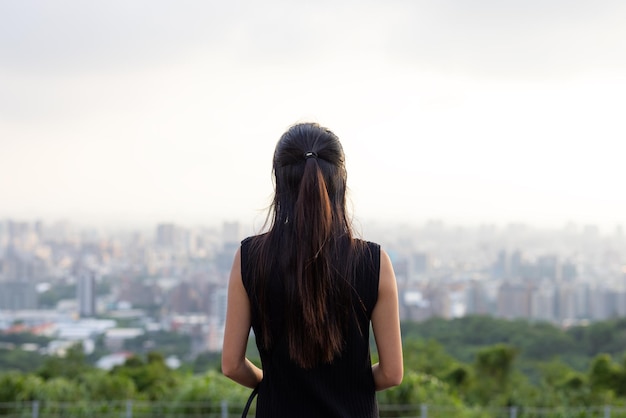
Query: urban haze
pixel 174 277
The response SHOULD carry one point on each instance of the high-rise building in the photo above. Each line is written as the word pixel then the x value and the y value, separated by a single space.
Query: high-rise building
pixel 516 265
pixel 548 267
pixel 166 235
pixel 600 303
pixel 421 263
pixel 542 302
pixel 220 297
pixel 476 299
pixel 18 295
pixel 514 300
pixel 86 293
pixel 17 284
pixel 566 302
pixel 501 267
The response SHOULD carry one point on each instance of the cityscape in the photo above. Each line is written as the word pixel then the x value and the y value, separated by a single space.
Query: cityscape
pixel 82 285
pixel 482 146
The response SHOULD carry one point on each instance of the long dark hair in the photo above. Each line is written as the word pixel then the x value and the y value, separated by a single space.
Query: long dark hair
pixel 309 246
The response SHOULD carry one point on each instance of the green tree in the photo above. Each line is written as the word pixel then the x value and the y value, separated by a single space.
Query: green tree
pixel 152 378
pixel 70 366
pixel 493 370
pixel 559 386
pixel 17 387
pixel 604 376
pixel 102 386
pixel 60 389
pixel 459 378
pixel 202 394
pixel 20 360
pixel 207 361
pixel 420 389
pixel 167 343
pixel 427 357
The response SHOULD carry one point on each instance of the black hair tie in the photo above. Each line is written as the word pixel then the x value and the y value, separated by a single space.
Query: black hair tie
pixel 310 154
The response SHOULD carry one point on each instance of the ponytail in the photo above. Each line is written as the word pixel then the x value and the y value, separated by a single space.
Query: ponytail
pixel 313 216
pixel 310 294
pixel 308 252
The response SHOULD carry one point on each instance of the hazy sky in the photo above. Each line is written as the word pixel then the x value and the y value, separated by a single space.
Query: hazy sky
pixel 467 111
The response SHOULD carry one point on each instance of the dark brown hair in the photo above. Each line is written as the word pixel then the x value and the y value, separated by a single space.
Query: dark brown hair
pixel 309 246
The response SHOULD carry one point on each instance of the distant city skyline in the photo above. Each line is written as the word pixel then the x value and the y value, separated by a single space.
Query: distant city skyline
pixel 566 276
pixel 480 112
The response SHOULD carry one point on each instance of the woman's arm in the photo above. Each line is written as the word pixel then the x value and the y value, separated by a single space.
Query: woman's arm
pixel 389 370
pixel 235 365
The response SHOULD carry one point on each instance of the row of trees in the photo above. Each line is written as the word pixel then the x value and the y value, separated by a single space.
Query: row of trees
pixel 72 380
pixel 535 341
pixel 463 364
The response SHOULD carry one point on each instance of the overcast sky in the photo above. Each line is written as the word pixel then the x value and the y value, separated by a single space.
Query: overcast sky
pixel 465 111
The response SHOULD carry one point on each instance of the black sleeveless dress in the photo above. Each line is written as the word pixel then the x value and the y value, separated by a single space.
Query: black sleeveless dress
pixel 344 388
